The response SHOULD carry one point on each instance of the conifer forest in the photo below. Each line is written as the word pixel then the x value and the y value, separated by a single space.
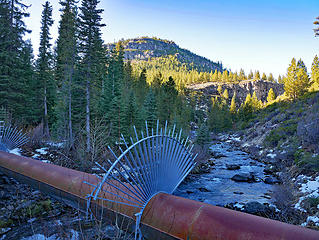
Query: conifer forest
pixel 76 94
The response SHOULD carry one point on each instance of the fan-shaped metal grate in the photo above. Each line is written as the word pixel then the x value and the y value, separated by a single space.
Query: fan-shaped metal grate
pixel 158 162
pixel 11 138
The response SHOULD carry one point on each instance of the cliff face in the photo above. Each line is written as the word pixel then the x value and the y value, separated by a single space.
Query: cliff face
pixel 242 89
pixel 145 48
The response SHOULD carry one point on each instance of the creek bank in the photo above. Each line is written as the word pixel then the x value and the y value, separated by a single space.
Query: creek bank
pixel 27 214
pixel 301 203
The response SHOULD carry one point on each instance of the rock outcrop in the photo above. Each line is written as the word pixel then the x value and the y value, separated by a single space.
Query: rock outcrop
pixel 241 89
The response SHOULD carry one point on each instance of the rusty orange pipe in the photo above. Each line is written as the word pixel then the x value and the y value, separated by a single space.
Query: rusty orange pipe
pixel 165 216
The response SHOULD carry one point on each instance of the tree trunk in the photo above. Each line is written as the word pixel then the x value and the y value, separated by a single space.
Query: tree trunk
pixel 88 137
pixel 45 120
pixel 70 110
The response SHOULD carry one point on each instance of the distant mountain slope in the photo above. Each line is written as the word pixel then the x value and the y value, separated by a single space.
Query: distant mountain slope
pixel 145 48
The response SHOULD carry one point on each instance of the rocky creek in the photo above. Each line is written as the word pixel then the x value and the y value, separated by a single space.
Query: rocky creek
pixel 235 179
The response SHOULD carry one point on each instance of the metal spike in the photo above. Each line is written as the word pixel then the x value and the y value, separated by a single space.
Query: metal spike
pixel 158 161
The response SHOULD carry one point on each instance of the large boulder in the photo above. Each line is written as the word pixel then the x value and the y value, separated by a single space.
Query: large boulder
pixel 243 177
pixel 259 209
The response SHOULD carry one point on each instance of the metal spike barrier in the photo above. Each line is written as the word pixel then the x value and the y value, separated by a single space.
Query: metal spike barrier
pixel 11 138
pixel 155 163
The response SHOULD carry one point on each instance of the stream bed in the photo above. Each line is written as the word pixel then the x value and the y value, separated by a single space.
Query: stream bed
pixel 217 186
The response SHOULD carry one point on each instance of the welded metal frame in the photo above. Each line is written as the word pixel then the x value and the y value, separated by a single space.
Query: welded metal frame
pixel 11 137
pixel 157 162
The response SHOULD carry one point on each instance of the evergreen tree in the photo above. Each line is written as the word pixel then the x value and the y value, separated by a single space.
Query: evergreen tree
pixel 301 64
pixel 150 110
pixel 219 116
pixel 30 112
pixel 256 104
pixel 44 66
pixel 112 102
pixel 297 80
pixel 225 76
pixel 280 79
pixel 250 75
pixel 66 56
pixel 140 87
pixel 225 94
pixel 246 108
pixel 12 30
pixel 130 116
pixel 91 50
pixel 271 78
pixel 203 137
pixel 242 75
pixel 233 104
pixel 316 30
pixel 264 77
pixel 271 96
pixel 315 70
pixel 219 89
pixel 235 78
pixel 256 76
pixel 215 76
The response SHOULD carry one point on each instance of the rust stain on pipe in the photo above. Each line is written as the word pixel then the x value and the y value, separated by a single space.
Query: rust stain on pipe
pixel 194 220
pixel 165 216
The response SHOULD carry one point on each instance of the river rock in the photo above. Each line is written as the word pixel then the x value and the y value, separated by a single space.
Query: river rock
pixel 240 193
pixel 270 169
pixel 203 189
pixel 232 166
pixel 243 177
pixel 256 208
pixel 270 180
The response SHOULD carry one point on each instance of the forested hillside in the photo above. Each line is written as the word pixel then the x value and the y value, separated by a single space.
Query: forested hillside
pixel 80 85
pixel 77 87
pixel 145 48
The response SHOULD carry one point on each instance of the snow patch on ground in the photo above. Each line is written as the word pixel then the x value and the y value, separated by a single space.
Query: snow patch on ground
pixel 16 151
pixel 46 161
pixel 310 219
pixel 56 144
pixel 239 205
pixel 309 188
pixel 42 151
pixel 246 145
pixel 271 155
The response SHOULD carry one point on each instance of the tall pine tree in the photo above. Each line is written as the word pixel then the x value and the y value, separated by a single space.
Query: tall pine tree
pixel 315 70
pixel 91 51
pixel 44 66
pixel 297 80
pixel 12 30
pixel 66 58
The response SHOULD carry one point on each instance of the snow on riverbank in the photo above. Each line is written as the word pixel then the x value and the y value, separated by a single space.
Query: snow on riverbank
pixel 16 151
pixel 309 189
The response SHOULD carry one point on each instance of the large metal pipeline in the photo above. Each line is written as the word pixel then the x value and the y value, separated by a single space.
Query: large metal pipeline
pixel 165 216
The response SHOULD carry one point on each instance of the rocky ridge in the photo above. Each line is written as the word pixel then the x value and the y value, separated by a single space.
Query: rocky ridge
pixel 241 89
pixel 142 49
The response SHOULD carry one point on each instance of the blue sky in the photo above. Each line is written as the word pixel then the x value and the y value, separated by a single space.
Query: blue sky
pixel 263 35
